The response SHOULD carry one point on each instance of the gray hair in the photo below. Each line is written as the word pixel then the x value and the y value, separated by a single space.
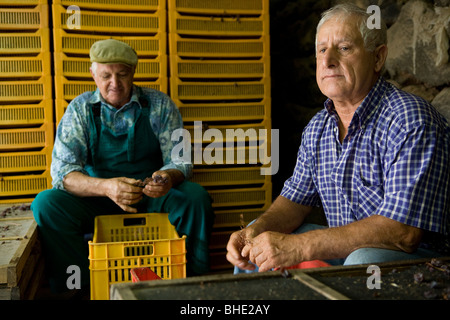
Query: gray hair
pixel 372 37
pixel 95 64
pixel 94 68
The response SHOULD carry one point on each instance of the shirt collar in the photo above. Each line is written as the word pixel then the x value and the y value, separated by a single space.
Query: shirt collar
pixel 97 98
pixel 367 107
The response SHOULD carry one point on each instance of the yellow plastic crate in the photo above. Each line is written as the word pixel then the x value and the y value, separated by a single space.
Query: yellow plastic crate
pixel 241 197
pixel 237 217
pixel 240 155
pixel 112 22
pixel 235 176
pixel 24 185
pixel 28 67
pixel 78 68
pixel 233 7
pixel 219 91
pixel 219 69
pixel 26 90
pixel 25 161
pixel 26 138
pixel 22 2
pixel 70 89
pixel 25 43
pixel 60 109
pixel 26 114
pixel 218 26
pixel 80 44
pixel 242 132
pixel 117 5
pixel 231 111
pixel 124 242
pixel 24 18
pixel 219 48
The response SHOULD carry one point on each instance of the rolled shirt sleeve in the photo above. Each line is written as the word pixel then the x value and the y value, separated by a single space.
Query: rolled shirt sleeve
pixel 71 147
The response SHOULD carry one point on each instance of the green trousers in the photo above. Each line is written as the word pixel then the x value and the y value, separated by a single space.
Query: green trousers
pixel 64 219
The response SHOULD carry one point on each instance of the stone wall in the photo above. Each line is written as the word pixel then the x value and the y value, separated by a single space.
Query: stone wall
pixel 418 61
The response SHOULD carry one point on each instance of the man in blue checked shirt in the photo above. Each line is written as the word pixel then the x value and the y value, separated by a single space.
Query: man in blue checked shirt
pixel 376 158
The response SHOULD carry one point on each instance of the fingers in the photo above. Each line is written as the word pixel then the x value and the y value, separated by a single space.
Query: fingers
pixel 125 193
pixel 262 252
pixel 234 248
pixel 159 185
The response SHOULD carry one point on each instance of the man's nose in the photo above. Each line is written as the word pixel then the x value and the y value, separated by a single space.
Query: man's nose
pixel 330 58
pixel 115 81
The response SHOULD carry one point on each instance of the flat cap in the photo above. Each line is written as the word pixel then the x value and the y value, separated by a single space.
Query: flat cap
pixel 113 51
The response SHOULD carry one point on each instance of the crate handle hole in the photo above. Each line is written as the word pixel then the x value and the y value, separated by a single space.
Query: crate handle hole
pixel 127 222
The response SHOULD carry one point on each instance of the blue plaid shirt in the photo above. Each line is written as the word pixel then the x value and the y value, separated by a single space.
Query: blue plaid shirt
pixel 394 162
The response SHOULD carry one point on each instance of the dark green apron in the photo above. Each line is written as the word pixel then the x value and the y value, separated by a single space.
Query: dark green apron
pixel 134 154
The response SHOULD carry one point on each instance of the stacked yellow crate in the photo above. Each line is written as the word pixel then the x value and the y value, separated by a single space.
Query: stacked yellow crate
pixel 26 110
pixel 220 80
pixel 77 24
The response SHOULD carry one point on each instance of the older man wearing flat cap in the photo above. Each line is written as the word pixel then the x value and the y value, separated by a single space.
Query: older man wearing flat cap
pixel 107 143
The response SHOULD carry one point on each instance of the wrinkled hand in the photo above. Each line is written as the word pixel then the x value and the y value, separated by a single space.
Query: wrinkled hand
pixel 236 243
pixel 124 192
pixel 159 185
pixel 273 250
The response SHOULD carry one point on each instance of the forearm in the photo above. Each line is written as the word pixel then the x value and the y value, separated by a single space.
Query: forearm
pixel 283 216
pixel 123 191
pixel 84 186
pixel 372 232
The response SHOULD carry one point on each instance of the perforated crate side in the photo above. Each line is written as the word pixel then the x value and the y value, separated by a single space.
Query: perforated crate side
pixel 213 155
pixel 220 7
pixel 117 5
pixel 26 90
pixel 228 111
pixel 219 48
pixel 26 138
pixel 111 261
pixel 26 161
pixel 233 133
pixel 219 26
pixel 219 69
pixel 24 18
pixel 133 227
pixel 241 197
pixel 80 44
pixel 234 176
pixel 25 67
pixel 25 43
pixel 25 3
pixel 237 217
pixel 24 185
pixel 26 114
pixel 112 22
pixel 220 91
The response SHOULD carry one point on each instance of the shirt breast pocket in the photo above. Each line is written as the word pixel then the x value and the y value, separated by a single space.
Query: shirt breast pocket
pixel 370 186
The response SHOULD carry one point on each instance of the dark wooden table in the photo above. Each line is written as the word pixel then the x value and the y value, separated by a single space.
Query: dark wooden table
pixel 403 280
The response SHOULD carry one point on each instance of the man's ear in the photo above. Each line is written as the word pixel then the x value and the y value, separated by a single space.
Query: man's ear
pixel 380 57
